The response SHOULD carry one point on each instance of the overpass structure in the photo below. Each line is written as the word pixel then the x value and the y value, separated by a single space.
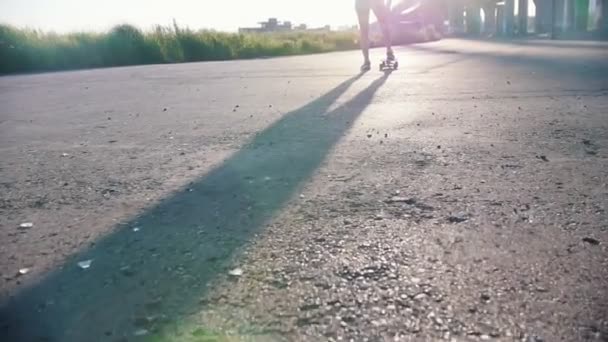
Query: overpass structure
pixel 507 17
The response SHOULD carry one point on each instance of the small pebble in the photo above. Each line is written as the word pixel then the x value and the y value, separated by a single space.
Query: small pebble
pixel 141 332
pixel 85 264
pixel 237 272
pixel 591 240
pixel 26 225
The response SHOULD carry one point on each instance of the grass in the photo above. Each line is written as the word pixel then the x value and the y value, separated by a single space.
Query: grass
pixel 27 50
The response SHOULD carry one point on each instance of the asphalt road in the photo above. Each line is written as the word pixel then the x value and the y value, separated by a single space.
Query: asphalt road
pixel 461 197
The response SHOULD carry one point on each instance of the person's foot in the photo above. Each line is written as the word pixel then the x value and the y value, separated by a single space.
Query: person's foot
pixel 390 55
pixel 366 66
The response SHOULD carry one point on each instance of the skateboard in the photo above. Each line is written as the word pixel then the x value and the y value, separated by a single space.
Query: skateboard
pixel 389 64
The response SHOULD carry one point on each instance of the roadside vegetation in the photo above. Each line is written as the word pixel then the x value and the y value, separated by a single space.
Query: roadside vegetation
pixel 27 50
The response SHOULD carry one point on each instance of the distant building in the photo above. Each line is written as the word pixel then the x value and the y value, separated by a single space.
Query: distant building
pixel 273 25
pixel 325 28
pixel 348 28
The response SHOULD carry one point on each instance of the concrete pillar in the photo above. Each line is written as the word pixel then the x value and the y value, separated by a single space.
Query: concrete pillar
pixel 570 15
pixel 581 15
pixel 543 21
pixel 456 13
pixel 473 20
pixel 522 23
pixel 538 19
pixel 489 26
pixel 595 11
pixel 440 14
pixel 509 15
pixel 601 19
pixel 560 16
pixel 500 20
pixel 603 22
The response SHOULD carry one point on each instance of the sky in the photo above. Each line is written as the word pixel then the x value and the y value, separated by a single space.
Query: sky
pixel 226 15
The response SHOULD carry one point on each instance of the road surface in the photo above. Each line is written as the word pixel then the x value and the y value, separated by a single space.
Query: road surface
pixel 462 197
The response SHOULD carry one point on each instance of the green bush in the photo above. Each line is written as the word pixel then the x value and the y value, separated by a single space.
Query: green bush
pixel 26 50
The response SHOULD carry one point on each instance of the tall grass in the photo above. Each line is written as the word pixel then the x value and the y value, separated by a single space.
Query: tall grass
pixel 27 50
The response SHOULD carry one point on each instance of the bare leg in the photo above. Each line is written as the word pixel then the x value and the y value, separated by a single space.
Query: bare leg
pixel 363 15
pixel 383 14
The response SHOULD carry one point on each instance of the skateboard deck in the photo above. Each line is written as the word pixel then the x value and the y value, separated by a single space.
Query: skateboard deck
pixel 389 64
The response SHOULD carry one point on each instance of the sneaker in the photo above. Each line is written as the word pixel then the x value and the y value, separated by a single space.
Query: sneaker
pixel 366 66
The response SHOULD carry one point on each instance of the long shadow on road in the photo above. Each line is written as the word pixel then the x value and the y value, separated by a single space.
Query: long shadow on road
pixel 185 241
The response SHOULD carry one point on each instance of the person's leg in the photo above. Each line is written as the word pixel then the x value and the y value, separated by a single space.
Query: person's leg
pixel 382 13
pixel 362 7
